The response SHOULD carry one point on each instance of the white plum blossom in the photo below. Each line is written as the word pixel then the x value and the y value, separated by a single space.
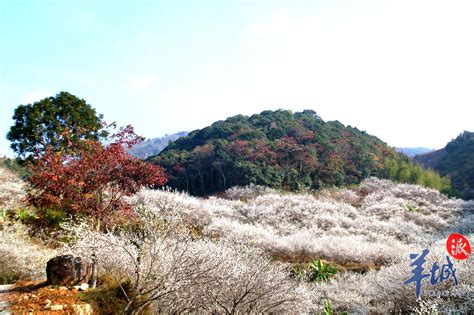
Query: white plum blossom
pixel 234 254
pixel 375 226
pixel 12 190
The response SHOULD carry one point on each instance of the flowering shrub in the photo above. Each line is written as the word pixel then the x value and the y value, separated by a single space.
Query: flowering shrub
pixel 187 254
pixel 11 190
pixel 368 227
pixel 19 258
pixel 381 291
pixel 171 273
pixel 248 192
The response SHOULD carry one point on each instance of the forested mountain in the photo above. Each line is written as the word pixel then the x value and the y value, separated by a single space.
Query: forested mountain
pixel 411 152
pixel 455 160
pixel 283 150
pixel 154 146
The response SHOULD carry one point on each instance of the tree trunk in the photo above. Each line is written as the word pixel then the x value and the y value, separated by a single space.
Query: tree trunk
pixel 94 271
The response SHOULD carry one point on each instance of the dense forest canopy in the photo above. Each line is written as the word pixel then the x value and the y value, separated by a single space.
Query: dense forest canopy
pixel 283 150
pixel 456 160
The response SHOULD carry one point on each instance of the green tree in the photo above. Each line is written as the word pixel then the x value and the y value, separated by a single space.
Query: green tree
pixel 56 122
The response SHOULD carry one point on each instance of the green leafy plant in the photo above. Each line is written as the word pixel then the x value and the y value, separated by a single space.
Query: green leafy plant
pixel 25 215
pixel 328 310
pixel 299 272
pixel 315 270
pixel 43 125
pixel 318 271
pixel 54 217
pixel 8 277
pixel 3 215
pixel 412 208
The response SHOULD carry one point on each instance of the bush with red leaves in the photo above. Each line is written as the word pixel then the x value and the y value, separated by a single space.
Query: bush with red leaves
pixel 93 181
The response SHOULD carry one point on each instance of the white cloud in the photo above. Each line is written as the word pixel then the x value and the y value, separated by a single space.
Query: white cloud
pixel 36 95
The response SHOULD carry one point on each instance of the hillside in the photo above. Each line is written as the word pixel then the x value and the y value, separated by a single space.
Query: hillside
pixel 411 152
pixel 283 150
pixel 13 166
pixel 455 160
pixel 154 146
pixel 244 250
pixel 11 187
pixel 367 231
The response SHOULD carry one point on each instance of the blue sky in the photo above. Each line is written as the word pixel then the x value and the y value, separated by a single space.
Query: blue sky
pixel 401 70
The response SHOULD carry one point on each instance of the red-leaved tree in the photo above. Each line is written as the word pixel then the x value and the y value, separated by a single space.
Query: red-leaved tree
pixel 93 181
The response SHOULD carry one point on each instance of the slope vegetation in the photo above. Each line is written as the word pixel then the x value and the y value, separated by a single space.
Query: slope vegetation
pixel 283 150
pixel 239 251
pixel 456 160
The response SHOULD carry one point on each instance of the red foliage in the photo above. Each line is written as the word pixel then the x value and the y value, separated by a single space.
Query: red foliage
pixel 240 148
pixel 93 181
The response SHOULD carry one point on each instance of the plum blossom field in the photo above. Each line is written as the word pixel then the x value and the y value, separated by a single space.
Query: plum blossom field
pixel 236 253
pixel 12 190
pixel 19 258
pixel 367 231
pixel 373 224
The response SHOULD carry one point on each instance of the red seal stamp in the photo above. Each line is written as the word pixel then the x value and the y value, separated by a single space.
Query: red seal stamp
pixel 458 246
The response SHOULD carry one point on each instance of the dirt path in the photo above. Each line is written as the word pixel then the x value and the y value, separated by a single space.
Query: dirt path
pixel 36 297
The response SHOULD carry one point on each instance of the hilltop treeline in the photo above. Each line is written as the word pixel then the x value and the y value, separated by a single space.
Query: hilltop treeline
pixel 283 150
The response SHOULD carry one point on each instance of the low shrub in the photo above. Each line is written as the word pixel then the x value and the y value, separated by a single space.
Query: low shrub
pixel 173 273
pixel 108 299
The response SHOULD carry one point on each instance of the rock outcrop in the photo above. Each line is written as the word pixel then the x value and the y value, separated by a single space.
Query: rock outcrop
pixel 68 270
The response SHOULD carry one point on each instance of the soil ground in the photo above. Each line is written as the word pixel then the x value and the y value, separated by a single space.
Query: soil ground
pixel 35 297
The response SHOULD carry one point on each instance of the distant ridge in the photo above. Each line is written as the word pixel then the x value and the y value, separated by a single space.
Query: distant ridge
pixel 154 146
pixel 411 152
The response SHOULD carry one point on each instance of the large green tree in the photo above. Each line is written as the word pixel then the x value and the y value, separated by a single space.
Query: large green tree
pixel 55 122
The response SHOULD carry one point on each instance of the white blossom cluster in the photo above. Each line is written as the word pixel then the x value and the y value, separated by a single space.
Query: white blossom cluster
pixel 20 259
pixel 12 190
pixel 376 225
pixel 234 254
pixel 247 192
pixel 382 291
pixel 370 224
pixel 175 274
